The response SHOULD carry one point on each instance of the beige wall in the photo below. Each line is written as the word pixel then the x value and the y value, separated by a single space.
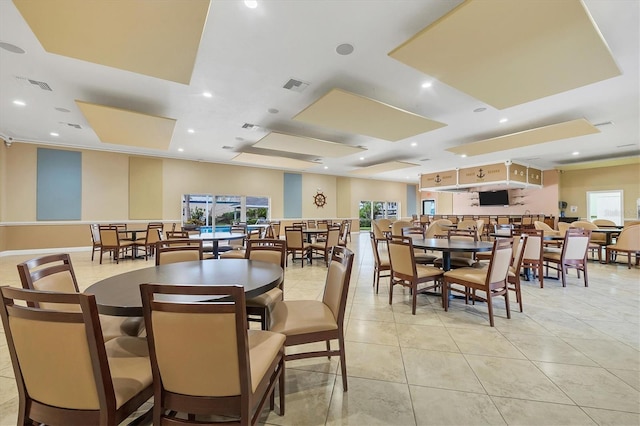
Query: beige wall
pixel 574 185
pixel 105 186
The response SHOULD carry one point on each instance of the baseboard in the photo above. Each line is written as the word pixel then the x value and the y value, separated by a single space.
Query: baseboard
pixel 43 251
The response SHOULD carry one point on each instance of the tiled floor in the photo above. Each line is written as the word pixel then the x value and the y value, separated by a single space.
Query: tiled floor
pixel 572 357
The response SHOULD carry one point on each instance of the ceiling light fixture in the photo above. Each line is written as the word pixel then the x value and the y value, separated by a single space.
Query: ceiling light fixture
pixel 19 102
pixel 251 4
pixel 191 131
pixel 426 85
pixel 414 143
pixel 344 49
pixel 207 94
pixel 361 158
pixel 504 120
pixel 575 153
pixel 180 149
pixel 54 134
pixel 463 155
pixel 326 167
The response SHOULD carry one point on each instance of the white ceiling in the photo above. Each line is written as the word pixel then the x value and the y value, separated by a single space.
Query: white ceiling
pixel 247 55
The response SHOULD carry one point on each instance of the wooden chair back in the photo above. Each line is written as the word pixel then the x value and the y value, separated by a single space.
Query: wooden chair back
pixel 173 251
pixel 61 363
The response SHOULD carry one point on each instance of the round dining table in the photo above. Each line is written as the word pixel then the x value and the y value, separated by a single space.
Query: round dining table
pixel 447 246
pixel 119 295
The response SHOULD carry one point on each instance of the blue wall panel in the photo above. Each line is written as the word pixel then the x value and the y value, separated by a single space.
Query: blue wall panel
pixel 59 186
pixel 292 195
pixel 411 200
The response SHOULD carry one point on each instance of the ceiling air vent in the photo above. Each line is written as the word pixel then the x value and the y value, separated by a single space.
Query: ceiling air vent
pixel 250 126
pixel 295 85
pixel 41 84
pixel 77 126
pixel 425 159
pixel 227 147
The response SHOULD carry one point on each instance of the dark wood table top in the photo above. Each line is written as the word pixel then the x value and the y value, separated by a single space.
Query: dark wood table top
pixel 120 295
pixel 446 245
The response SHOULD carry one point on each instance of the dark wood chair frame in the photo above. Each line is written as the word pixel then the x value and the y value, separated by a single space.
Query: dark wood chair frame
pixel 248 405
pixel 562 266
pixel 30 410
pixel 261 313
pixel 378 267
pixel 185 244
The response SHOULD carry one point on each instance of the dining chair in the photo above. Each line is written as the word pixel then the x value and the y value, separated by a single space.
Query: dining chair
pixel 296 244
pixel 204 359
pixel 532 258
pixel 173 251
pixel 308 321
pixel 177 235
pixel 520 243
pixel 95 239
pixel 66 373
pixel 273 251
pixel 421 256
pixel 311 223
pixel 54 273
pixel 438 227
pixel 275 225
pixel 597 241
pixel 238 250
pixel 148 242
pixel 110 242
pixel 604 223
pixel 381 262
pixel 628 242
pixel 572 255
pixel 406 272
pixel 324 247
pixel 398 225
pixel 491 280
pixel 460 259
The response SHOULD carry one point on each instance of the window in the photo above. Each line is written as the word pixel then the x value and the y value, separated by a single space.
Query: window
pixel 222 211
pixel 605 205
pixel 370 210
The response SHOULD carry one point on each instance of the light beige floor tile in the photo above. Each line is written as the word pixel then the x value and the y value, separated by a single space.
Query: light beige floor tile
pixel 9 412
pixel 8 389
pixel 462 316
pixel 307 397
pixel 524 325
pixel 530 413
pixel 446 407
pixel 440 370
pixel 317 364
pixel 370 402
pixel 377 362
pixel 548 348
pixel 514 378
pixel 612 418
pixel 630 377
pixel 435 338
pixel 608 354
pixel 370 312
pixel 593 387
pixel 382 333
pixel 484 342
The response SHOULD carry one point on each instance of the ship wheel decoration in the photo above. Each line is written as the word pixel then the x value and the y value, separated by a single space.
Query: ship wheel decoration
pixel 319 199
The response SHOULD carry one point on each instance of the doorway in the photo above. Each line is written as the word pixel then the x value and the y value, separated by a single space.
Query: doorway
pixel 429 207
pixel 605 205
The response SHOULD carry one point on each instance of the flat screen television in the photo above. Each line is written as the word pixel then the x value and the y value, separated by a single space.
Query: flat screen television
pixel 494 198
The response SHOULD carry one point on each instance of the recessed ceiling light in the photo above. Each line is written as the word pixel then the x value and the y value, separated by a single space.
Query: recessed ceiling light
pixel 504 120
pixel 344 49
pixel 426 84
pixel 180 149
pixel 54 134
pixel 207 94
pixel 463 155
pixel 361 158
pixel 11 47
pixel 251 4
pixel 326 167
pixel 414 143
pixel 191 131
pixel 575 153
pixel 19 102
pixel 479 109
